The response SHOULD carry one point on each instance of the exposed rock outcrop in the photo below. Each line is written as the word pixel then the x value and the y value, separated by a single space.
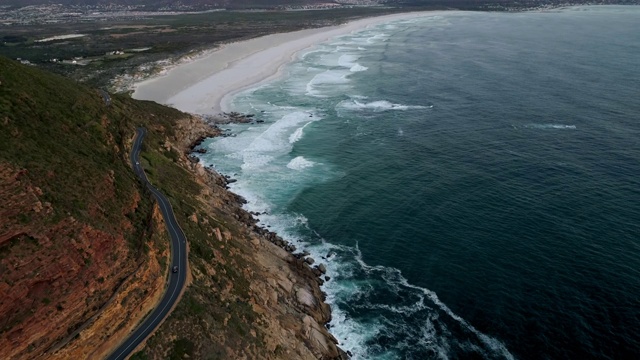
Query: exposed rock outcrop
pixel 63 280
pixel 285 313
pixel 190 132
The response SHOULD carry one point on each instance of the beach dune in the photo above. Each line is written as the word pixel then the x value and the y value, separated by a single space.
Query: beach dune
pixel 207 84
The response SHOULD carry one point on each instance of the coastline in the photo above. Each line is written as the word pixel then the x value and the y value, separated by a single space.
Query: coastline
pixel 207 84
pixel 284 283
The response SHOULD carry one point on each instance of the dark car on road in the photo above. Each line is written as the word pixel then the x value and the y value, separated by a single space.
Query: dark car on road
pixel 175 269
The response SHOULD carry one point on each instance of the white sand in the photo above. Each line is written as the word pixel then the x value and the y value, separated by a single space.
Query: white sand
pixel 206 85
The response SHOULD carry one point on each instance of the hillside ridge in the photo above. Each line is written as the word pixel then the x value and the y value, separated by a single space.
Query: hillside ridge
pixel 84 253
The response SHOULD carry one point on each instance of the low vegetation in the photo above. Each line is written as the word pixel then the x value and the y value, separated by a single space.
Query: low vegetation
pixel 75 222
pixel 73 145
pixel 145 41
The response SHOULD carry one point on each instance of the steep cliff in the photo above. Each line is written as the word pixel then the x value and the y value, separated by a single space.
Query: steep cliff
pixel 83 249
pixel 250 297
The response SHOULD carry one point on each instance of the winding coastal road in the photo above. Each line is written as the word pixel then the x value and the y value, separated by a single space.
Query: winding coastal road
pixel 178 258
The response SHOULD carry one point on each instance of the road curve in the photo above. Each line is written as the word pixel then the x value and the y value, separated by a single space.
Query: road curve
pixel 106 97
pixel 178 258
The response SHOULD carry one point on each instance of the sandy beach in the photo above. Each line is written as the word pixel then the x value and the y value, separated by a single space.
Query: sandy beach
pixel 206 85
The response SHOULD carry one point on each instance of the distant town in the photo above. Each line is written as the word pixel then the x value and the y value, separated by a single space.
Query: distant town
pixel 61 14
pixel 56 13
pixel 64 14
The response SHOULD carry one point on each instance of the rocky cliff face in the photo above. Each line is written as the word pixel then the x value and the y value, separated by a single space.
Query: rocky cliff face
pixel 58 276
pixel 136 296
pixel 82 248
pixel 84 253
pixel 250 297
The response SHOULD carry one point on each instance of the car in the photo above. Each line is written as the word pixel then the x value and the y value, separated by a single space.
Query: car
pixel 175 269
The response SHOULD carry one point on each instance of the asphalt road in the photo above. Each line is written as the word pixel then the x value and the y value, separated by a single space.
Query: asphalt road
pixel 106 97
pixel 178 258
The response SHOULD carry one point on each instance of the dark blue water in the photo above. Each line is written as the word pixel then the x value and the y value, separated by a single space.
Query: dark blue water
pixel 472 181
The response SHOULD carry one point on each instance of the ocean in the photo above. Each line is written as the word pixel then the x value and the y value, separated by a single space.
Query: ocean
pixel 470 180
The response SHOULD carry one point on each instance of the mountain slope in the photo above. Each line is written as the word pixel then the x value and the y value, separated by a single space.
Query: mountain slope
pixel 83 250
pixel 76 228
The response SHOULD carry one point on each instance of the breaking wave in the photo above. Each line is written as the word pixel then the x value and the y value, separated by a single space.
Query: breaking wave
pixel 299 163
pixel 551 126
pixel 376 312
pixel 380 105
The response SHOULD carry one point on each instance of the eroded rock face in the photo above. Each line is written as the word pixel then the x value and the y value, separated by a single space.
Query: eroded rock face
pixel 58 274
pixel 190 132
pixel 258 300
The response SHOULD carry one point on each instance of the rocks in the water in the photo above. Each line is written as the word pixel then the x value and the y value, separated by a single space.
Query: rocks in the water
pixel 233 117
pixel 198 141
pixel 327 278
pixel 290 248
pixel 322 268
pixel 309 260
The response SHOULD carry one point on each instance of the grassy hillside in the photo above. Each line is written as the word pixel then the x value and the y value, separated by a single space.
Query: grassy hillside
pixel 63 147
pixel 83 250
pixel 76 226
pixel 69 140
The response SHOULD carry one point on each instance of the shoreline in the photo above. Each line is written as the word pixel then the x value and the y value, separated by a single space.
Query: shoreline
pixel 207 84
pixel 289 281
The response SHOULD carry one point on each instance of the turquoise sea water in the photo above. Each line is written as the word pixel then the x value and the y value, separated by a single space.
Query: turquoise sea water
pixel 471 181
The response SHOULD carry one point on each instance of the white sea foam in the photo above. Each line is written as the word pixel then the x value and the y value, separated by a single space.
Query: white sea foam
pixel 310 52
pixel 299 163
pixel 299 132
pixel 321 80
pixel 394 275
pixel 377 38
pixel 258 145
pixel 380 105
pixel 358 68
pixel 551 126
pixel 349 61
pixel 358 284
pixel 264 151
pixel 347 48
pixel 297 135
